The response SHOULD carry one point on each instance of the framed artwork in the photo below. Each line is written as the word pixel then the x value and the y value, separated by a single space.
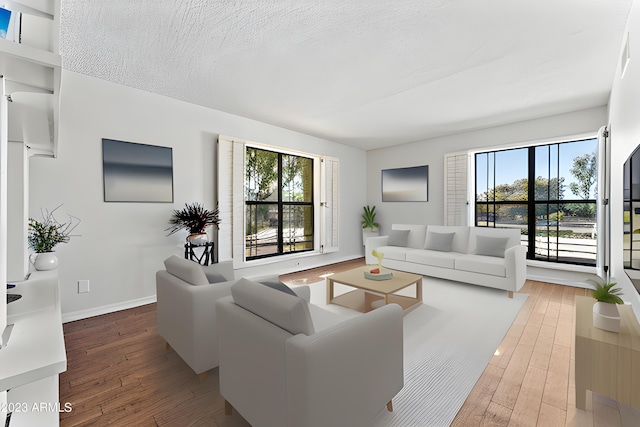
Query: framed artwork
pixel 135 172
pixel 406 184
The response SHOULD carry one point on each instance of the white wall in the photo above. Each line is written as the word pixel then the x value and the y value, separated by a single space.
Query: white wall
pixel 121 245
pixel 624 116
pixel 431 152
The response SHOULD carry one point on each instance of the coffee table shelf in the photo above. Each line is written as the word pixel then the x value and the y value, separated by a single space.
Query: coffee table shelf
pixel 370 294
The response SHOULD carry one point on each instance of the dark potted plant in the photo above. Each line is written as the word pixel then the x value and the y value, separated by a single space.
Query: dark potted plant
pixel 44 235
pixel 195 219
pixel 605 310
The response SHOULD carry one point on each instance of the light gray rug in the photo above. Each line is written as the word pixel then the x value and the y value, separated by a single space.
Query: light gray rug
pixel 448 342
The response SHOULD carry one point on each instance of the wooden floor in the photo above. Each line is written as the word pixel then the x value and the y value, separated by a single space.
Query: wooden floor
pixel 119 372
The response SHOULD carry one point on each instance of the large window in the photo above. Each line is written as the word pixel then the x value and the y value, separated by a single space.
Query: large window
pixel 278 193
pixel 548 192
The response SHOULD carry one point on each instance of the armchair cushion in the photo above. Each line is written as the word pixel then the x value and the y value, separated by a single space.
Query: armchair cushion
pixel 187 270
pixel 213 277
pixel 288 312
pixel 279 286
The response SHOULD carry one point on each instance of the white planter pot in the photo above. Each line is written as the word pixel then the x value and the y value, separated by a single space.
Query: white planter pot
pixel 369 232
pixel 44 261
pixel 606 316
pixel 197 239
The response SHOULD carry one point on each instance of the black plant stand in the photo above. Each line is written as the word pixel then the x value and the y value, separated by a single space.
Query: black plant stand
pixel 205 258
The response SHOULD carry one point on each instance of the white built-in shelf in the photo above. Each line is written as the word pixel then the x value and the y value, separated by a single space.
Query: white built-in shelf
pixel 31 64
pixel 35 354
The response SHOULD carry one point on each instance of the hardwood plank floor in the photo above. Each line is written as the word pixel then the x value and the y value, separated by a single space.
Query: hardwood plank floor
pixel 120 373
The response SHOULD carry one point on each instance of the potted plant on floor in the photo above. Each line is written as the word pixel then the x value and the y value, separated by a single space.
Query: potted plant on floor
pixel 43 237
pixel 195 219
pixel 369 224
pixel 605 310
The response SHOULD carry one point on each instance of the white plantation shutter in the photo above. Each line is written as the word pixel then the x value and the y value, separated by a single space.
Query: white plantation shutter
pixel 456 206
pixel 231 203
pixel 329 206
pixel 230 198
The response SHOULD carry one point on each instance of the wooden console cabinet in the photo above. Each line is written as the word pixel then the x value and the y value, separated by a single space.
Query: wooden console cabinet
pixel 607 363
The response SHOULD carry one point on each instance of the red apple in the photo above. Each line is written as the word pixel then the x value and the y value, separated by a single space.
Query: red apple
pixel 375 271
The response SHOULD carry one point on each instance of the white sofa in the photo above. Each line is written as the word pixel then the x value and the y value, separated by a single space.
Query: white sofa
pixel 287 363
pixel 483 256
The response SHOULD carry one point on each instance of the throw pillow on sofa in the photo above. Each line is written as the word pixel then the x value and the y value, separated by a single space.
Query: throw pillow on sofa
pixel 491 246
pixel 398 238
pixel 439 241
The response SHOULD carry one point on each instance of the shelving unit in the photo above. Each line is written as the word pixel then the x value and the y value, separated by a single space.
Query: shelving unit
pixel 30 70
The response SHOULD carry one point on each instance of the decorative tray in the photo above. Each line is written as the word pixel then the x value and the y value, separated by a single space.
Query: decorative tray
pixel 383 275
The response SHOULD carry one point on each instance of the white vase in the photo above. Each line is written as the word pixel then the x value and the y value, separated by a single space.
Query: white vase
pixel 606 316
pixel 45 261
pixel 197 239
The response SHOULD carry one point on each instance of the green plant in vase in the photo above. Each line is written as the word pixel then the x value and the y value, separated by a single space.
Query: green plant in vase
pixel 44 236
pixel 605 309
pixel 369 218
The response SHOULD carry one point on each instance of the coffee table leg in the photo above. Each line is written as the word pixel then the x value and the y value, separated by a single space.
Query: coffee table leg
pixel 419 290
pixel 329 290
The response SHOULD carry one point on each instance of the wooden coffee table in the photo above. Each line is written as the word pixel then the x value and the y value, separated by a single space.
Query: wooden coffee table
pixel 370 294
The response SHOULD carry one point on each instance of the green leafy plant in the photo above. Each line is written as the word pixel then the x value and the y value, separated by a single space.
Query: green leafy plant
pixel 606 292
pixel 194 218
pixel 369 217
pixel 45 235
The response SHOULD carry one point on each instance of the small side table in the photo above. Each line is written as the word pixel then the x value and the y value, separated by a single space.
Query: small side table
pixel 205 258
pixel 607 363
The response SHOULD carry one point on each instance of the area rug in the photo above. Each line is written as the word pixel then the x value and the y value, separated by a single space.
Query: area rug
pixel 448 342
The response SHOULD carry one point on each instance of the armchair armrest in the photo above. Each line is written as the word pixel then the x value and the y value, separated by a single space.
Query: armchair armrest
pixel 303 292
pixel 516 264
pixel 371 244
pixel 359 361
pixel 224 268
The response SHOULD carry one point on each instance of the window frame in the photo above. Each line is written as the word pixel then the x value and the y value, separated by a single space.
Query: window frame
pixel 281 205
pixel 531 202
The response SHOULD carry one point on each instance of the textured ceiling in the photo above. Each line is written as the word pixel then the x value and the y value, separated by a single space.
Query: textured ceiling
pixel 364 73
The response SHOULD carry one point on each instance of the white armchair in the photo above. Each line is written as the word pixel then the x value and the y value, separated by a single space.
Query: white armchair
pixel 277 369
pixel 186 309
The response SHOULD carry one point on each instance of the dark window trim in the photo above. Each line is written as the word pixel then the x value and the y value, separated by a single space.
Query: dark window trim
pixel 281 204
pixel 531 203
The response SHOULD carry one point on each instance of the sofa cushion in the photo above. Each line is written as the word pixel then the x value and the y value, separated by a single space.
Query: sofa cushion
pixel 398 238
pixel 481 264
pixel 512 234
pixel 460 242
pixel 491 246
pixel 417 234
pixel 285 311
pixel 394 252
pixel 432 258
pixel 279 286
pixel 187 270
pixel 439 241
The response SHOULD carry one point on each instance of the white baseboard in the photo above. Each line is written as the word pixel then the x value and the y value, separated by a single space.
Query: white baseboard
pixel 97 311
pixel 105 309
